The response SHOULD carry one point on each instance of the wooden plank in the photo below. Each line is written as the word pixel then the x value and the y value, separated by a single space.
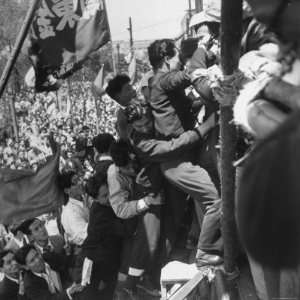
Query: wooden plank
pixel 188 287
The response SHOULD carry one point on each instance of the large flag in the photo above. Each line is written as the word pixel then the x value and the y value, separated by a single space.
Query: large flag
pixel 63 34
pixel 28 194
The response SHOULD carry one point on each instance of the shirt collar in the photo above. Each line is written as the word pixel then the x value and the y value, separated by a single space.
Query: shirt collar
pixel 41 248
pixel 12 279
pixel 105 157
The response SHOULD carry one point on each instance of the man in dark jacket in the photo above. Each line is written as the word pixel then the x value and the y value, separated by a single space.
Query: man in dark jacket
pixel 188 176
pixel 172 116
pixel 41 281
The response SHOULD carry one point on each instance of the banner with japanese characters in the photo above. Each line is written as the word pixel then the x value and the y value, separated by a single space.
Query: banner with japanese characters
pixel 63 34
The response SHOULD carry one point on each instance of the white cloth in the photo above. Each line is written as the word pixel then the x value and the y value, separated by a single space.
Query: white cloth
pixel 86 272
pixel 74 219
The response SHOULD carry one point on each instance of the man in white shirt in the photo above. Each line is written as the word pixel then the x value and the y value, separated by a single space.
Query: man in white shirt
pixel 74 219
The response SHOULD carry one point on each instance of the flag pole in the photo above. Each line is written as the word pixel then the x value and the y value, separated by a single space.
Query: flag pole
pixel 231 33
pixel 18 46
pixel 112 48
pixel 12 60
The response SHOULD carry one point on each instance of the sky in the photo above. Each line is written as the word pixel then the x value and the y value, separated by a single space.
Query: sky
pixel 151 19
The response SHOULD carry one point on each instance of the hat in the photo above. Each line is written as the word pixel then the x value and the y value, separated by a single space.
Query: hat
pixel 212 13
pixel 205 17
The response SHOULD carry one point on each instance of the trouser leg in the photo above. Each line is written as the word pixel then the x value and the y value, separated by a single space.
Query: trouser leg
pixel 196 182
pixel 145 241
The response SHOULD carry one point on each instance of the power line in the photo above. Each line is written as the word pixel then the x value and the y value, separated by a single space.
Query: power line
pixel 148 26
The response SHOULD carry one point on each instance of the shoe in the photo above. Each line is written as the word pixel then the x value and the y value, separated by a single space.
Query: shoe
pixel 206 259
pixel 148 288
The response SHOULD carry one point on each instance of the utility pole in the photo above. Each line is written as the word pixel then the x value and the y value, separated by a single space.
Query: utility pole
pixel 130 34
pixel 198 5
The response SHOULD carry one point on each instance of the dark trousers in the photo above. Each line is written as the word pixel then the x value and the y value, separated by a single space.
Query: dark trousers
pixel 140 250
pixel 195 181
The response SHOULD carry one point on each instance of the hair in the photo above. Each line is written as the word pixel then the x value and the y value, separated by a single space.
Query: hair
pixel 188 47
pixel 24 226
pixel 80 144
pixel 213 27
pixel 160 49
pixel 94 183
pixel 2 255
pixel 119 152
pixel 22 253
pixel 102 142
pixel 65 179
pixel 115 85
pixel 136 111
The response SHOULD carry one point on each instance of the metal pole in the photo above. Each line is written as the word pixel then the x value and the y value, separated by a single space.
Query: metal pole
pixel 17 47
pixel 231 32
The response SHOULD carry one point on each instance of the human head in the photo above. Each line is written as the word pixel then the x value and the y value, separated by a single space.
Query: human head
pixel 162 52
pixel 81 146
pixel 120 89
pixel 102 142
pixel 120 153
pixel 35 229
pixel 96 187
pixel 140 117
pixel 8 264
pixel 281 16
pixel 31 259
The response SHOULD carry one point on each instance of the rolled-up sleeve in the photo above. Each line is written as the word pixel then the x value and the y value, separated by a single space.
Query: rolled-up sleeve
pixel 153 150
pixel 119 196
pixel 174 80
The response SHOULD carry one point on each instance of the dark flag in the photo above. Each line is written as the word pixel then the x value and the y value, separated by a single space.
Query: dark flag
pixel 63 34
pixel 27 194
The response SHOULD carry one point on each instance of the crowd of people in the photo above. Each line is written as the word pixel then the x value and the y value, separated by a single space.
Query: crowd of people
pixel 129 163
pixel 69 113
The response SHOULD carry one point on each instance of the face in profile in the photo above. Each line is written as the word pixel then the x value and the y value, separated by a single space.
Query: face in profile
pixel 175 62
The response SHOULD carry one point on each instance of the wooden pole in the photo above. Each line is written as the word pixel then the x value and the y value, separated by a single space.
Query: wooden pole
pixel 112 47
pixel 198 5
pixel 231 32
pixel 18 46
pixel 13 115
pixel 118 57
